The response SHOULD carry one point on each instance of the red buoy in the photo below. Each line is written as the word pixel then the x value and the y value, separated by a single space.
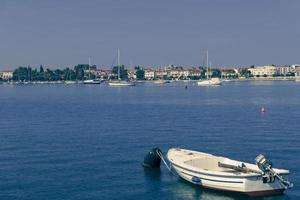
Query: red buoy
pixel 263 110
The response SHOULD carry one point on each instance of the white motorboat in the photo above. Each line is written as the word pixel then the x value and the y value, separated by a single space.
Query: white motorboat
pixel 92 81
pixel 161 81
pixel 210 82
pixel 224 174
pixel 70 82
pixel 121 83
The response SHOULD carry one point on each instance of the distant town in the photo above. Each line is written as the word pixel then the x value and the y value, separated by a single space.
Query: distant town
pixel 83 72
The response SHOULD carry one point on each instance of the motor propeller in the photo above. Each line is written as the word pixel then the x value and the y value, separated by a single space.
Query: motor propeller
pixel 265 165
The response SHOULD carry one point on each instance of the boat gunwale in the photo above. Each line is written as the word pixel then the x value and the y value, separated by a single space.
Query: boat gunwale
pixel 214 173
pixel 211 172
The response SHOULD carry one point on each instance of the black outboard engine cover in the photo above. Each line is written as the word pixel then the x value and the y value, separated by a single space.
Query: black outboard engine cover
pixel 152 159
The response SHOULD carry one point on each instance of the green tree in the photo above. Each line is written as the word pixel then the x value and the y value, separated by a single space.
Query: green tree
pixel 41 69
pixel 123 72
pixel 245 73
pixel 20 74
pixel 140 73
pixel 79 71
pixel 216 73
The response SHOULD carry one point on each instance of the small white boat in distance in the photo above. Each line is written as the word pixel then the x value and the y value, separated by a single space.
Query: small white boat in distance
pixel 70 82
pixel 210 82
pixel 224 174
pixel 92 81
pixel 161 81
pixel 121 83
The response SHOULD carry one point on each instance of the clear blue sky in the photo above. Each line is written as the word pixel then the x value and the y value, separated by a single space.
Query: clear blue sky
pixel 66 32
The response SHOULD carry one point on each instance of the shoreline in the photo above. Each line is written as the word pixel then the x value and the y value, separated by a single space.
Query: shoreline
pixel 153 81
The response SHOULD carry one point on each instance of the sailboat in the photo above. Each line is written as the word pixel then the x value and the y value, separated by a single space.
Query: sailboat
pixel 120 82
pixel 91 81
pixel 209 81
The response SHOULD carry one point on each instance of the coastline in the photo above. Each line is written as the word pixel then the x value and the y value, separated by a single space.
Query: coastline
pixel 153 81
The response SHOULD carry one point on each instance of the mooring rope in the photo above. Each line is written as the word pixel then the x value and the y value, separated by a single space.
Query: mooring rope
pixel 162 158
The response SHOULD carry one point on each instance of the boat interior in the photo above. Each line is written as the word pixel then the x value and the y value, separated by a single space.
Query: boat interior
pixel 209 162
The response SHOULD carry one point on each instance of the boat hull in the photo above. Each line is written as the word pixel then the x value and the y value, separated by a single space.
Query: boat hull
pixel 92 82
pixel 116 84
pixel 210 82
pixel 247 185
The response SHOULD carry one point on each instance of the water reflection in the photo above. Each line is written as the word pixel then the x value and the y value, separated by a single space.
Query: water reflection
pixel 185 190
pixel 152 174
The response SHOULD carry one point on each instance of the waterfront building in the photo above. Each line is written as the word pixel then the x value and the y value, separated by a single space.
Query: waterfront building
pixel 178 72
pixel 297 73
pixel 160 74
pixel 107 74
pixel 131 74
pixel 100 73
pixel 149 74
pixel 6 75
pixel 284 70
pixel 194 72
pixel 267 70
pixel 294 66
pixel 229 73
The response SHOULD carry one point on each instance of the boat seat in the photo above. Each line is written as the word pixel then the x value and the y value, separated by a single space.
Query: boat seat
pixel 206 163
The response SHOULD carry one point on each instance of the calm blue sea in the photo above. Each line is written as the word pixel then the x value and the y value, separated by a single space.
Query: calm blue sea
pixel 88 141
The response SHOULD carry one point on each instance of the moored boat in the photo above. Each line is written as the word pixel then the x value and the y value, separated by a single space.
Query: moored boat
pixel 121 83
pixel 210 82
pixel 161 81
pixel 92 81
pixel 70 82
pixel 221 173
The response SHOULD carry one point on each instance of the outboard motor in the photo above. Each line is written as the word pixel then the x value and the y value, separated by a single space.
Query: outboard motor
pixel 269 174
pixel 153 158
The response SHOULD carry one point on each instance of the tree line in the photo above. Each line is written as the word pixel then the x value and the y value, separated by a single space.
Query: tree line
pixel 81 72
pixel 30 74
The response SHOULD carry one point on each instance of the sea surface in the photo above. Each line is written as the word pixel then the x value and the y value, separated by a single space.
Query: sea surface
pixel 88 141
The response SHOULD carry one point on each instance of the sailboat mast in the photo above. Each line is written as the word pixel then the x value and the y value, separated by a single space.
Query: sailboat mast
pixel 89 68
pixel 210 68
pixel 118 52
pixel 207 75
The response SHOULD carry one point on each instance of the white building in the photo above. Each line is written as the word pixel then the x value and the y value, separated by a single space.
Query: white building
pixel 284 70
pixel 149 74
pixel 160 74
pixel 263 70
pixel 176 73
pixel 297 73
pixel 6 75
pixel 229 73
pixel 294 66
pixel 194 72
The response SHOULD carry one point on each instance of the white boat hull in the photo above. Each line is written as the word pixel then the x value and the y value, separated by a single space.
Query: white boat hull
pixel 250 184
pixel 210 82
pixel 121 83
pixel 91 82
